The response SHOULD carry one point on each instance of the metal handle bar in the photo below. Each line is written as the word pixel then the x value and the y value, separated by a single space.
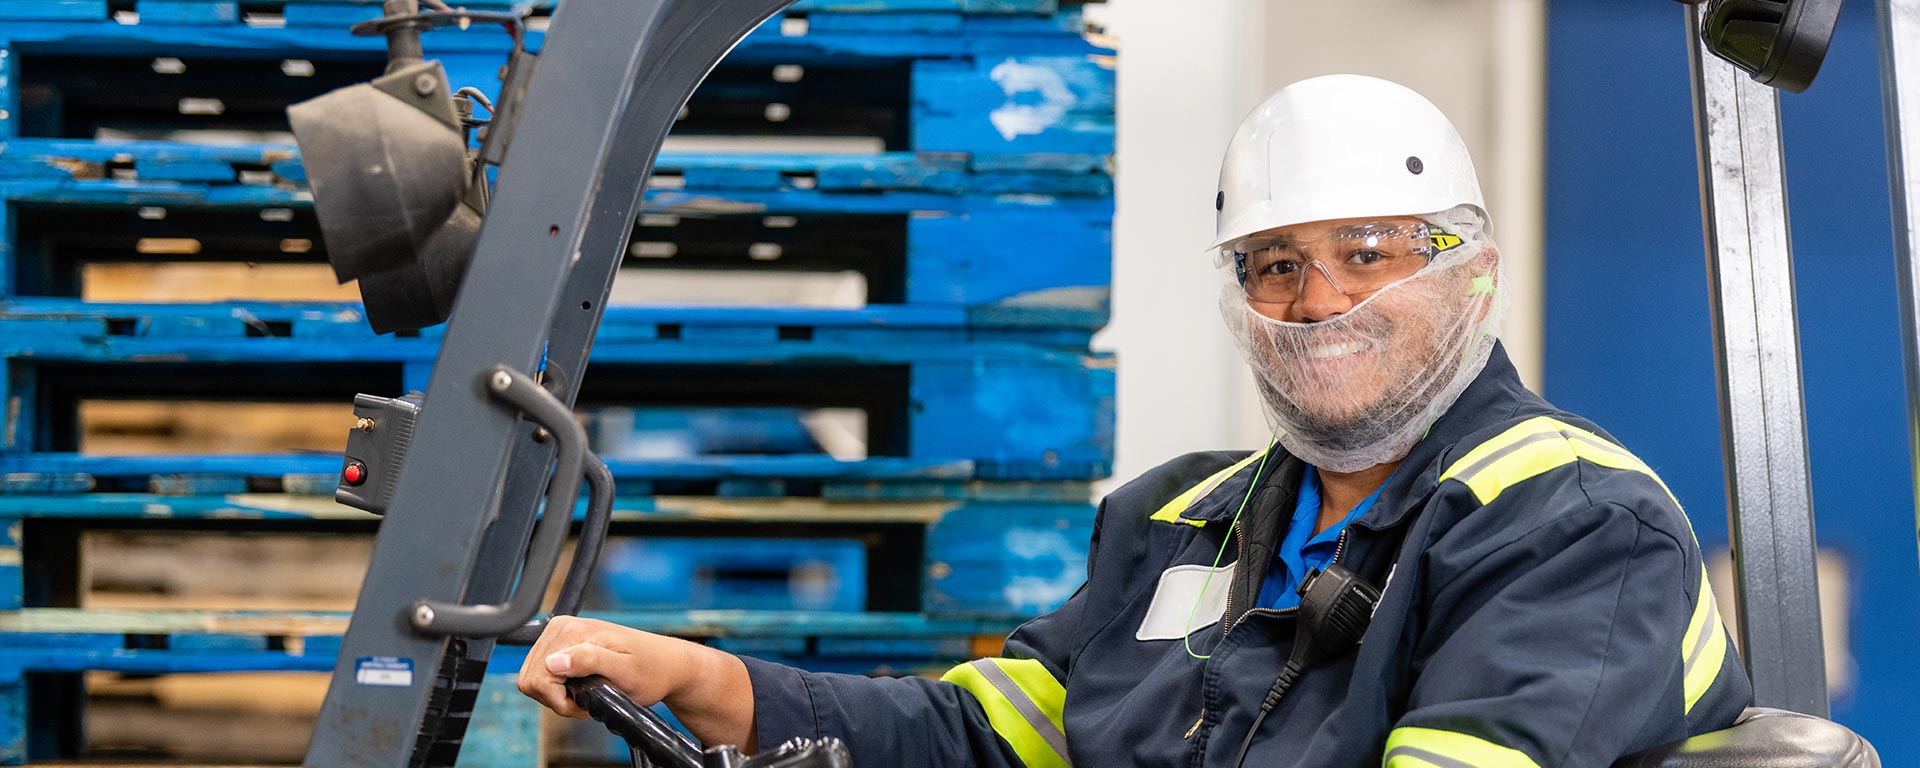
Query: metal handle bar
pixel 593 534
pixel 539 406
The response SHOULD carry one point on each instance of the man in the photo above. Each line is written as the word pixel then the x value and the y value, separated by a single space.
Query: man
pixel 1542 601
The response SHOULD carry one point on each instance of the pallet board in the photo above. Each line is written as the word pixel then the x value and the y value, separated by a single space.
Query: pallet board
pixel 226 570
pixel 975 557
pixel 56 645
pixel 333 11
pixel 1016 411
pixel 279 165
pixel 1006 91
pixel 908 249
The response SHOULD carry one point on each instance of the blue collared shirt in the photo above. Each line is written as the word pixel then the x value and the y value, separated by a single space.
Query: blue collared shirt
pixel 1303 549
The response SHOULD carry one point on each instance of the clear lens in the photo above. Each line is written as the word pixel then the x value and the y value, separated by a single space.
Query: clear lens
pixel 1357 259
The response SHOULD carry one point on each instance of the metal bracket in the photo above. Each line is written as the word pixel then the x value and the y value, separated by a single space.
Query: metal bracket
pixel 1900 84
pixel 1757 351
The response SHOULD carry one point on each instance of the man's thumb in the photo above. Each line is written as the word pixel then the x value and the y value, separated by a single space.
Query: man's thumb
pixel 579 660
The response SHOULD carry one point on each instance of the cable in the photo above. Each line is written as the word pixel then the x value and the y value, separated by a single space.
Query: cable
pixel 1288 676
pixel 477 95
pixel 1336 605
pixel 1186 637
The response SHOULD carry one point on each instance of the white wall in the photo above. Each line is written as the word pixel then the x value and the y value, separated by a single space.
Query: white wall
pixel 1188 72
pixel 1186 76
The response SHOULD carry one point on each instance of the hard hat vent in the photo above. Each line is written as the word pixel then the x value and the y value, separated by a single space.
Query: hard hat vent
pixel 1414 165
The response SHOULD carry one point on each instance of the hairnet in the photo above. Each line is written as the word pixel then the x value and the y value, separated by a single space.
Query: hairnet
pixel 1360 388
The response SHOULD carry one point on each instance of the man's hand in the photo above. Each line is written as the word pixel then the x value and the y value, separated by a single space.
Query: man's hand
pixel 708 690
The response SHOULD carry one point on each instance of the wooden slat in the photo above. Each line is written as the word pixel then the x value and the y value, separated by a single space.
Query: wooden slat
pixel 683 623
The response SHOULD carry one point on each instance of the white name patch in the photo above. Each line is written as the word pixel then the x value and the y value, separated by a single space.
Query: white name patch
pixel 1174 599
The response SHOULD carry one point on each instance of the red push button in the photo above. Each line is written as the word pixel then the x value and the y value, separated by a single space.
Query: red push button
pixel 355 473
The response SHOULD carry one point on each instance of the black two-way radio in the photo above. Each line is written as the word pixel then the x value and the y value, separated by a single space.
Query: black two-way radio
pixel 1336 605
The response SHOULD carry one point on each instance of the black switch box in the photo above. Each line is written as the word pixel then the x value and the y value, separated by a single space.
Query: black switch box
pixel 377 446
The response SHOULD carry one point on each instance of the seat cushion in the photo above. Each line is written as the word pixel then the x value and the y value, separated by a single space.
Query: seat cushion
pixel 1764 738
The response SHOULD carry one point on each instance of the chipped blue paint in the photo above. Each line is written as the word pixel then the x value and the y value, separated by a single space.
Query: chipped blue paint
pixel 1046 104
pixel 210 12
pixel 12 573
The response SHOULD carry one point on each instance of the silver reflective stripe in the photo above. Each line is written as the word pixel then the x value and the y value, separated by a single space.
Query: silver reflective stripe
pixel 1420 754
pixel 1600 444
pixel 1479 466
pixel 1706 631
pixel 1467 474
pixel 1029 710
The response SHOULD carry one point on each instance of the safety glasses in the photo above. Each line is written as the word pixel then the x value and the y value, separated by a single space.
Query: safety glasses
pixel 1356 260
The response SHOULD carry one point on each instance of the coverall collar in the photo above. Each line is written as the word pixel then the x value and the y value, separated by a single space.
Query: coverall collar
pixel 1494 396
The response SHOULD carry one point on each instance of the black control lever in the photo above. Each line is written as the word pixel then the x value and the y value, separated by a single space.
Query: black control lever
pixel 647 733
pixel 654 743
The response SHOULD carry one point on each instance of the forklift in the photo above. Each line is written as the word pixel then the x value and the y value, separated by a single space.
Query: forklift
pixel 517 254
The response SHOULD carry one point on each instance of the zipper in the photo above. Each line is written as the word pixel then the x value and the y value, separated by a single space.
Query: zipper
pixel 1339 548
pixel 1239 556
pixel 1239 548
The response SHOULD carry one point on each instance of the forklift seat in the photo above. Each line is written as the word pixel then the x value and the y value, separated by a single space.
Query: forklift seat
pixel 1764 738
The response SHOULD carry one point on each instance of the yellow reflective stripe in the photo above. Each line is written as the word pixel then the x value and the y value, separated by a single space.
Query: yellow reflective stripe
pixel 1533 447
pixel 1023 702
pixel 1171 512
pixel 1525 450
pixel 1433 748
pixel 1540 444
pixel 1704 647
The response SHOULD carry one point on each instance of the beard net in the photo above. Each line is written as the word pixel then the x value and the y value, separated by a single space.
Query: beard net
pixel 1359 389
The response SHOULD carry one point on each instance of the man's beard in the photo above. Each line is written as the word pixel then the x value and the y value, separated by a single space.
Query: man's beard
pixel 1359 389
pixel 1339 410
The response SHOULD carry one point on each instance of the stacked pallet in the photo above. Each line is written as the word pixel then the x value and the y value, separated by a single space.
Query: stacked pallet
pixel 844 383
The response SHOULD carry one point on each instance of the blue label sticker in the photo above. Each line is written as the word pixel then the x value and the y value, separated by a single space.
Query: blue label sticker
pixel 383 670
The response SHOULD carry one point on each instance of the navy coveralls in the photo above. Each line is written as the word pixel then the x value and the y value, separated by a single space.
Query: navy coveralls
pixel 1545 605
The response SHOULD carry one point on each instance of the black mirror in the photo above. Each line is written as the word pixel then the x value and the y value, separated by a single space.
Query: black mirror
pixel 1780 43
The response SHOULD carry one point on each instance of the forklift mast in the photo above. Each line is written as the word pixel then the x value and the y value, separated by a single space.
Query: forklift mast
pixel 610 79
pixel 462 559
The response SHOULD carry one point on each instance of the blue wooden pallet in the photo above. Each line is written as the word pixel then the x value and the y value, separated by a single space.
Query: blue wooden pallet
pixel 343 322
pixel 247 487
pixel 296 12
pixel 162 642
pixel 1011 556
pixel 1010 91
pixel 279 165
pixel 986 261
pixel 66 641
pixel 1017 411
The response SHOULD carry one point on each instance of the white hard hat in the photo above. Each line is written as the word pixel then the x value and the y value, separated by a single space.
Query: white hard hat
pixel 1341 147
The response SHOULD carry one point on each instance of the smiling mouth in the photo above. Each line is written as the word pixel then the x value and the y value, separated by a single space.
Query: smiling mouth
pixel 1333 351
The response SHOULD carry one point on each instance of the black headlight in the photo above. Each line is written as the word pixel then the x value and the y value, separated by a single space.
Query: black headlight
pixel 394 189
